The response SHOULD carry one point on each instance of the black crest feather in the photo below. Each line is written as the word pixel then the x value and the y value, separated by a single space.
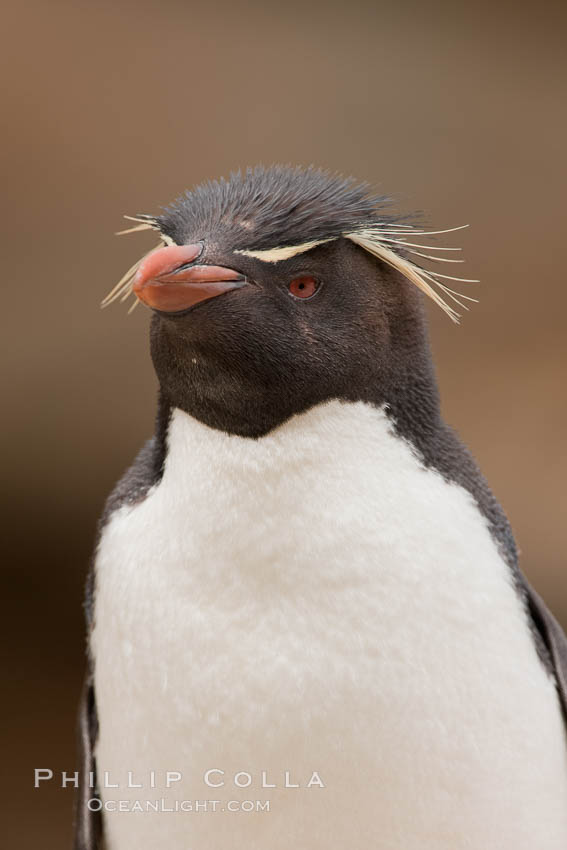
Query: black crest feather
pixel 265 207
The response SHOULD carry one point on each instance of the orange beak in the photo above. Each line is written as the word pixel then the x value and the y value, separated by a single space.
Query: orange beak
pixel 167 282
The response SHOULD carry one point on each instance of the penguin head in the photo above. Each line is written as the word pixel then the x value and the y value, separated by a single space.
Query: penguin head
pixel 278 289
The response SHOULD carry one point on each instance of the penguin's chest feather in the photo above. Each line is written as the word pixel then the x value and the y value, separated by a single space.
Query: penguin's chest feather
pixel 318 601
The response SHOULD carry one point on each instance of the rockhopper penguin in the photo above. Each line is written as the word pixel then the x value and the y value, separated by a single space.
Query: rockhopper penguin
pixel 304 591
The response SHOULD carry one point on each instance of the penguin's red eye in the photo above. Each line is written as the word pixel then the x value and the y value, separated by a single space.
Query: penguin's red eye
pixel 303 287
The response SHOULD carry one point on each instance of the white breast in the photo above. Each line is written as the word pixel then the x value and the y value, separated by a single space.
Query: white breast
pixel 317 601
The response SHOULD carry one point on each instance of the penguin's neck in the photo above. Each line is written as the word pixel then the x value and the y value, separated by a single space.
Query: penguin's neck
pixel 408 394
pixel 411 413
pixel 325 436
pixel 339 446
pixel 399 376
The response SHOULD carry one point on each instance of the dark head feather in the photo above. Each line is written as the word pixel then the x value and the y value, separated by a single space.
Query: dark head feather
pixel 273 207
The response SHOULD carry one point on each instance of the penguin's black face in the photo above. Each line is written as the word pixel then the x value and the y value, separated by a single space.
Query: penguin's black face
pixel 293 333
pixel 265 303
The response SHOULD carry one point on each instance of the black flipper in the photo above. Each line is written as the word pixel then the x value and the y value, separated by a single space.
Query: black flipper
pixel 132 487
pixel 554 639
pixel 88 824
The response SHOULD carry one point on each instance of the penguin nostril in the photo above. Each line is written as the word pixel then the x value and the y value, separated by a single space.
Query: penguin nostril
pixel 194 261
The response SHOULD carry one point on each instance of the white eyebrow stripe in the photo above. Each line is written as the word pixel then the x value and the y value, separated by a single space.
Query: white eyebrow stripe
pixel 276 255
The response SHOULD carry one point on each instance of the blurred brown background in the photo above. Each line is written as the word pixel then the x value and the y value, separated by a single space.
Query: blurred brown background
pixel 115 108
